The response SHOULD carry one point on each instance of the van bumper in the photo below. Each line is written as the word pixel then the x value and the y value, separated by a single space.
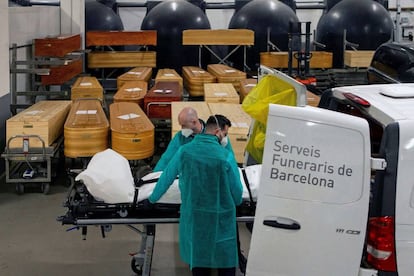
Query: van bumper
pixel 367 272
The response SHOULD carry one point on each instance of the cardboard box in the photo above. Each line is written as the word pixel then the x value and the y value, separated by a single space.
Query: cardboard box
pixel 220 93
pixel 132 132
pixel 44 118
pixel 87 87
pixel 240 124
pixel 86 129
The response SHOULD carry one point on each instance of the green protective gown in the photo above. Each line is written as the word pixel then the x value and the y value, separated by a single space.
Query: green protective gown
pixel 177 141
pixel 210 189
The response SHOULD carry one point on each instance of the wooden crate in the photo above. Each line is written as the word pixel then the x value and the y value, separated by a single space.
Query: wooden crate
pixel 157 102
pixel 132 132
pixel 220 93
pixel 203 112
pixel 358 58
pixel 245 86
pixel 169 75
pixel 240 123
pixel 319 59
pixel 57 46
pixel 132 91
pixel 135 74
pixel 58 75
pixel 44 118
pixel 194 79
pixel 86 129
pixel 227 74
pixel 87 87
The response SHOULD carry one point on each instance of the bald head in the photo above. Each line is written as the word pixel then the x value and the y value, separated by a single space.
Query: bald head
pixel 188 118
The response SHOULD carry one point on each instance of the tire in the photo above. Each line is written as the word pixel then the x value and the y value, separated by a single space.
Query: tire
pixel 136 267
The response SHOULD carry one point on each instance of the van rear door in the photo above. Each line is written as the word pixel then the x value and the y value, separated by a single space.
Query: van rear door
pixel 312 204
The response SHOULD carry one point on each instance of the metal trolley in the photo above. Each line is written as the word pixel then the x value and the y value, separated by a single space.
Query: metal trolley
pixel 30 164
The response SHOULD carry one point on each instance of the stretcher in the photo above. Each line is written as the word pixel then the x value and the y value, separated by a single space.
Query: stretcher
pixel 84 210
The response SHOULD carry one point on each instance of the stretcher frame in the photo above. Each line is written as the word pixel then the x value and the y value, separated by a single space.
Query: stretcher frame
pixel 141 260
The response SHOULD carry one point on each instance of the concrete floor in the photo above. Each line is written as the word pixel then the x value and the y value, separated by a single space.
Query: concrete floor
pixel 32 242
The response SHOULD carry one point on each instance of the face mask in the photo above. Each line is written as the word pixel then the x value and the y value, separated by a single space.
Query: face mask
pixel 186 132
pixel 224 141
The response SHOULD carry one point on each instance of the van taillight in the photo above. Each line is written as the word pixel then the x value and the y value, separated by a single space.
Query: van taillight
pixel 381 243
pixel 356 99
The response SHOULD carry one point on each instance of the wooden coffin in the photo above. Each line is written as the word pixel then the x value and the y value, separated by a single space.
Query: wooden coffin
pixel 203 112
pixel 44 119
pixel 319 59
pixel 358 58
pixel 167 74
pixel 135 74
pixel 240 123
pixel 57 46
pixel 132 133
pixel 227 74
pixel 220 93
pixel 312 99
pixel 86 129
pixel 132 91
pixel 194 79
pixel 245 86
pixel 113 59
pixel 218 37
pixel 157 102
pixel 58 75
pixel 87 87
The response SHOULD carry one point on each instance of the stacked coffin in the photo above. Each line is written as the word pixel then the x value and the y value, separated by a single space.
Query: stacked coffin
pixel 245 86
pixel 220 93
pixel 157 102
pixel 86 129
pixel 240 123
pixel 169 75
pixel 132 132
pixel 227 74
pixel 85 88
pixel 44 119
pixel 194 80
pixel 132 91
pixel 135 74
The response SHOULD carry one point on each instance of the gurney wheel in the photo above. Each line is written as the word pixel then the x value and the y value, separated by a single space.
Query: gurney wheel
pixel 45 188
pixel 137 268
pixel 19 188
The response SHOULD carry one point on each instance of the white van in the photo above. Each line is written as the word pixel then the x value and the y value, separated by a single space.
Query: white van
pixel 336 194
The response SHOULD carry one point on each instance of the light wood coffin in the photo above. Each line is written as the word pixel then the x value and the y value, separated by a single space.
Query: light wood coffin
pixel 169 75
pixel 240 123
pixel 131 131
pixel 44 119
pixel 157 102
pixel 218 37
pixel 87 87
pixel 245 86
pixel 227 74
pixel 203 112
pixel 135 74
pixel 319 59
pixel 220 93
pixel 194 79
pixel 358 58
pixel 132 91
pixel 86 129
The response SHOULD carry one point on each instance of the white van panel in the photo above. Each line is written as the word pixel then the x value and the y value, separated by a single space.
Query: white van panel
pixel 404 209
pixel 307 229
